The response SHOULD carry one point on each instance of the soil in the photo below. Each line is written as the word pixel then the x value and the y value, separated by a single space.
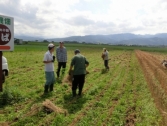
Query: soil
pixel 153 70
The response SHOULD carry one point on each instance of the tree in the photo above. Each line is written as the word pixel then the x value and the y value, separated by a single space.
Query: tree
pixel 45 40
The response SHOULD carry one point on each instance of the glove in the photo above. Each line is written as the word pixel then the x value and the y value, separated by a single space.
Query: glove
pixel 53 59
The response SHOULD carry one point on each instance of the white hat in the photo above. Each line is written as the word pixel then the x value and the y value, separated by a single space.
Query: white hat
pixel 51 45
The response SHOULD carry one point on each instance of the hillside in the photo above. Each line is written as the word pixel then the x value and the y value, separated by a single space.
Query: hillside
pixel 115 39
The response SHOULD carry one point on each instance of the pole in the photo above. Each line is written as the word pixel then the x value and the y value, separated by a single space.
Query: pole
pixel 1 71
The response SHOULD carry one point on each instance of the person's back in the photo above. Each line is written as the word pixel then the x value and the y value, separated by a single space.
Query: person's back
pixel 79 64
pixel 106 55
pixel 105 58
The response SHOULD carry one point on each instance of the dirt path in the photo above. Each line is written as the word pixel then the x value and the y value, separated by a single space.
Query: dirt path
pixel 156 77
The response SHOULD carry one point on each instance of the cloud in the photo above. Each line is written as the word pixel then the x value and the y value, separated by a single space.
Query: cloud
pixel 139 14
pixel 25 19
pixel 55 18
pixel 79 21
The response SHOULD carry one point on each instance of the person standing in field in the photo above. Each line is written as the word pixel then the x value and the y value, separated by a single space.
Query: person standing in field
pixel 61 55
pixel 49 68
pixel 104 55
pixel 79 63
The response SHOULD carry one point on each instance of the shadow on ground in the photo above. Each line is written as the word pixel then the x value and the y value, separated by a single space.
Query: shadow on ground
pixel 103 71
pixel 73 104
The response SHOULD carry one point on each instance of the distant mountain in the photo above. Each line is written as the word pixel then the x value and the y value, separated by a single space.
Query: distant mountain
pixel 98 38
pixel 144 41
pixel 116 39
pixel 29 38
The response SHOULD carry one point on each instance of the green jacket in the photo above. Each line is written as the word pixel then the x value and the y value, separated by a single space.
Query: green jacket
pixel 79 63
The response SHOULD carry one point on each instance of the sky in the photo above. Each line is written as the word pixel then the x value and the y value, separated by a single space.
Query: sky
pixel 64 18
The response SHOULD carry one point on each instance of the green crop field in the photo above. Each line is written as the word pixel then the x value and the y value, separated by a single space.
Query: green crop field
pixel 123 96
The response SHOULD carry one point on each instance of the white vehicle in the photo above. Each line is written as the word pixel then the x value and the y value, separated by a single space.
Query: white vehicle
pixel 5 69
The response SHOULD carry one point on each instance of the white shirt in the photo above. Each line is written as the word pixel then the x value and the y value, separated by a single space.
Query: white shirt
pixel 48 66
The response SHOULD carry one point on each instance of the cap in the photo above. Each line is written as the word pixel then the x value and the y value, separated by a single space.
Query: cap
pixel 104 49
pixel 61 42
pixel 76 51
pixel 51 45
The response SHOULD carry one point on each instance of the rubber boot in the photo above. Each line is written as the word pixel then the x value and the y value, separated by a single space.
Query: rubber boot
pixel 51 87
pixel 74 93
pixel 46 89
pixel 80 92
pixel 63 71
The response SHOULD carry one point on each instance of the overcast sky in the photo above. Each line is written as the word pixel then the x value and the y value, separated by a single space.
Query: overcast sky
pixel 64 18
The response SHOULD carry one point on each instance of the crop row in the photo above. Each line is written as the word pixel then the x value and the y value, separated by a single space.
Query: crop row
pixel 116 97
pixel 155 76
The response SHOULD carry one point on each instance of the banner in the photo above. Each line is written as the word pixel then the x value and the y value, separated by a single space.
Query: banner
pixel 6 33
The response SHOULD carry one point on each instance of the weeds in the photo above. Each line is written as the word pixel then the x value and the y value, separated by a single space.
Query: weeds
pixel 119 96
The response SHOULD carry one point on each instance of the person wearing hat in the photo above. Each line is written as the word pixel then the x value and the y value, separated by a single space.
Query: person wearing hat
pixel 61 55
pixel 105 58
pixel 79 63
pixel 49 68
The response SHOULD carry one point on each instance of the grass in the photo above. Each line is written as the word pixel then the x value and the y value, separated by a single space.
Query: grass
pixel 119 96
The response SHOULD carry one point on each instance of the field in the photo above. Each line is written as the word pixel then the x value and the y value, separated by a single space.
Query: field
pixel 132 93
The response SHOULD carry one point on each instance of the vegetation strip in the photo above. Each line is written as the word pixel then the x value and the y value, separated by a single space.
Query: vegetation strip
pixel 119 96
pixel 97 98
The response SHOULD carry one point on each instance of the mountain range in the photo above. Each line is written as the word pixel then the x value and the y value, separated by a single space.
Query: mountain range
pixel 113 39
